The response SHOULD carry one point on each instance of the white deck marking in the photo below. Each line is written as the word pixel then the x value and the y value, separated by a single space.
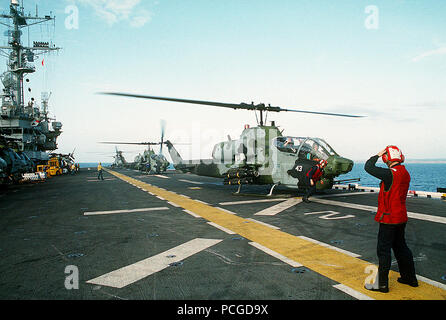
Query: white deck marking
pixel 265 224
pixel 351 254
pixel 225 210
pixel 355 294
pixel 192 214
pixel 341 194
pixel 345 204
pixel 160 176
pixel 189 181
pixel 173 204
pixel 292 263
pixel 124 211
pixel 250 201
pixel 414 215
pixel 221 228
pixel 432 282
pixel 426 217
pixel 127 275
pixel 271 211
pixel 319 212
pixel 159 197
pixel 201 201
pixel 331 215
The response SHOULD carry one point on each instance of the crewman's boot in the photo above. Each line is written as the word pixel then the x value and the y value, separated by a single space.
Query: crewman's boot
pixel 412 283
pixel 376 287
pixel 383 289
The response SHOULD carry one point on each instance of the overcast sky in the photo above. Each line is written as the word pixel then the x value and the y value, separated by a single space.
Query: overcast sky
pixel 383 59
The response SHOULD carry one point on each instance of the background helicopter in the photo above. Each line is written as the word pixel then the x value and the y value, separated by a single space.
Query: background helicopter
pixel 65 161
pixel 262 155
pixel 120 161
pixel 3 168
pixel 13 165
pixel 149 161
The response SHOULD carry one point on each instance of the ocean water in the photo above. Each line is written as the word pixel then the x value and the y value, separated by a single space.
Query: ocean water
pixel 424 176
pixel 92 164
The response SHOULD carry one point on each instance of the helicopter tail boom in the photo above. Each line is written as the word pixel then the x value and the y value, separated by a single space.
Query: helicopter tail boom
pixel 176 158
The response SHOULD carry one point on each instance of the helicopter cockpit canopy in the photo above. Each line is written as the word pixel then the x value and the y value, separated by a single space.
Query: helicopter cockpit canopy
pixel 305 147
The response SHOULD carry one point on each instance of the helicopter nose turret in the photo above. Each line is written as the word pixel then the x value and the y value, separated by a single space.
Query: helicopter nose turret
pixel 337 165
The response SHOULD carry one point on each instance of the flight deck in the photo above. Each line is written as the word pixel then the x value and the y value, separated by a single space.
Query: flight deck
pixel 178 236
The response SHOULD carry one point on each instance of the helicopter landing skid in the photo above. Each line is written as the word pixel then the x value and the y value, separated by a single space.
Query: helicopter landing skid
pixel 272 189
pixel 268 195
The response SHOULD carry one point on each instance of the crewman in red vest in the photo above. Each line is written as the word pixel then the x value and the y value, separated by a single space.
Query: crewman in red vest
pixel 392 218
pixel 313 176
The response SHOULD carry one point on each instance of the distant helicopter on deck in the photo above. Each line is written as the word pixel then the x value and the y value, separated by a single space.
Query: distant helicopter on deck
pixel 12 164
pixel 120 161
pixel 65 161
pixel 3 170
pixel 262 155
pixel 149 161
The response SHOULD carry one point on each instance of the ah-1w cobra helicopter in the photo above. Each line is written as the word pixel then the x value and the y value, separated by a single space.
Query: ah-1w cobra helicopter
pixel 262 155
pixel 149 161
pixel 120 161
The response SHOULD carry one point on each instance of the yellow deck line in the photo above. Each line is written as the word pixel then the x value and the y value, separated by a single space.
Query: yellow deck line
pixel 332 264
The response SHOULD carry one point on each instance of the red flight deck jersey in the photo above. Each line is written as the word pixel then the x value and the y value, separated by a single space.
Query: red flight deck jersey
pixel 316 175
pixel 392 203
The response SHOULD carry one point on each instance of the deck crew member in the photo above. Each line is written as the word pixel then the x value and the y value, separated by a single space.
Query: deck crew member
pixel 392 218
pixel 313 176
pixel 100 172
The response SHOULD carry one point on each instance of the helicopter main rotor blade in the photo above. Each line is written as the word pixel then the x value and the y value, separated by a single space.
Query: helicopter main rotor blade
pixel 178 144
pixel 323 113
pixel 244 106
pixel 135 143
pixel 208 103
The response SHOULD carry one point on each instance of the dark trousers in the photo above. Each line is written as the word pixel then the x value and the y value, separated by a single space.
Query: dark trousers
pixel 391 236
pixel 100 175
pixel 310 190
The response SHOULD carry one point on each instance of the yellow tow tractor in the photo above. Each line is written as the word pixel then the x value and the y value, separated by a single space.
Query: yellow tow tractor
pixel 54 167
pixel 43 168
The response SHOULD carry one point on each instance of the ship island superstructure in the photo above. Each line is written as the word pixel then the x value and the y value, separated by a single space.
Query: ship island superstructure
pixel 24 122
